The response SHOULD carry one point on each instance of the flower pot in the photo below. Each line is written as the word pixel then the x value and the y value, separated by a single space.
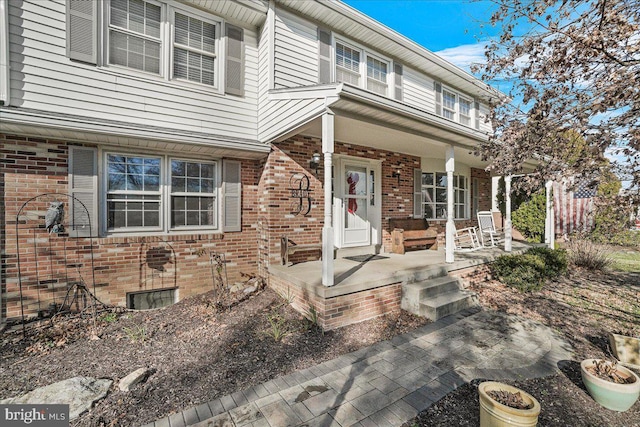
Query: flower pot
pixel 495 414
pixel 618 397
pixel 626 349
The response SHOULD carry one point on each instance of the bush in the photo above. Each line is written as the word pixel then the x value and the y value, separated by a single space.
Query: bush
pixel 628 238
pixel 528 271
pixel 529 218
pixel 587 254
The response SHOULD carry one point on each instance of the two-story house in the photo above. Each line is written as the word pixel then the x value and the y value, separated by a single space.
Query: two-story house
pixel 195 126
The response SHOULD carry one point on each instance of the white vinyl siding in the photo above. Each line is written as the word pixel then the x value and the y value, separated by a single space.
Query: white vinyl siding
pixel 47 80
pixel 295 52
pixel 418 90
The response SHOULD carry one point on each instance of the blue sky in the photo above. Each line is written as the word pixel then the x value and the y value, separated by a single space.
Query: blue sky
pixel 454 29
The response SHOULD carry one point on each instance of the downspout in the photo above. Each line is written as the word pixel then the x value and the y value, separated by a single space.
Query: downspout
pixel 5 62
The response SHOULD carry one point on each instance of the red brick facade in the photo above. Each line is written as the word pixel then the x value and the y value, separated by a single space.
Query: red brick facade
pixel 30 166
pixel 124 264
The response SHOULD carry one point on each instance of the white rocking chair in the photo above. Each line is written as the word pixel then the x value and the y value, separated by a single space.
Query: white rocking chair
pixel 466 239
pixel 489 235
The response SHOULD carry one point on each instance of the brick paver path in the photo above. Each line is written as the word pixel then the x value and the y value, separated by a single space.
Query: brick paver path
pixel 390 382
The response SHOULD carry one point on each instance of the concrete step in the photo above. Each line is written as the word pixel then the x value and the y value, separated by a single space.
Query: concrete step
pixel 414 293
pixel 445 304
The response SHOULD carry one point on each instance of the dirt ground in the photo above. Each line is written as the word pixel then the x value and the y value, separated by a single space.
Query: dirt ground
pixel 199 353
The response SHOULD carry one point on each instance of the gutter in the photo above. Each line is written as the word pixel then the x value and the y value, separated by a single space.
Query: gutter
pixel 5 61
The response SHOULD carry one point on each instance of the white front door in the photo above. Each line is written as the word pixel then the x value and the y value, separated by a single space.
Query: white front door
pixel 359 203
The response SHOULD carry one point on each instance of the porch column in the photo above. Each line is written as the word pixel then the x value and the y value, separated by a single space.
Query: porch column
pixel 507 222
pixel 451 227
pixel 495 189
pixel 549 223
pixel 327 228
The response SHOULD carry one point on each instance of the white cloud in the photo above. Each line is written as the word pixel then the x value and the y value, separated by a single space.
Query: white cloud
pixel 464 55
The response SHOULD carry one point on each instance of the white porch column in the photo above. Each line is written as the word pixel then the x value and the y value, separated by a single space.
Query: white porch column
pixel 451 227
pixel 327 228
pixel 507 222
pixel 549 223
pixel 495 188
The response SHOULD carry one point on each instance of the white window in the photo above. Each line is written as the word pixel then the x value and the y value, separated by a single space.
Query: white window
pixel 133 192
pixel 347 64
pixel 434 195
pixel 465 106
pixel 134 35
pixel 194 50
pixel 377 75
pixel 139 38
pixel 193 194
pixel 138 193
pixel 448 104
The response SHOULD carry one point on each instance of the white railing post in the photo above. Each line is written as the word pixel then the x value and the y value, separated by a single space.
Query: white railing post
pixel 549 223
pixel 508 235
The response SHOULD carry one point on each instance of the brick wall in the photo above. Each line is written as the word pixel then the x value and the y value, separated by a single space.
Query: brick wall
pixel 342 310
pixel 291 157
pixel 31 166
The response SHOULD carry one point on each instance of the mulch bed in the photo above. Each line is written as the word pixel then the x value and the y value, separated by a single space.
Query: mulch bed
pixel 197 352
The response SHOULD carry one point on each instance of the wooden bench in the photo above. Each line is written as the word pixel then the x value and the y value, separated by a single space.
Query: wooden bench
pixel 411 233
pixel 287 248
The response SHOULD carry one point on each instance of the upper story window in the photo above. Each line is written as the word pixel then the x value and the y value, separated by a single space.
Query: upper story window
pixel 347 64
pixel 139 38
pixel 454 106
pixel 135 35
pixel 359 68
pixel 194 50
pixel 377 75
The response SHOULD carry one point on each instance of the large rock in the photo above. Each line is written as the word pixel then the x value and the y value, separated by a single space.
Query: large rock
pixel 77 392
pixel 133 378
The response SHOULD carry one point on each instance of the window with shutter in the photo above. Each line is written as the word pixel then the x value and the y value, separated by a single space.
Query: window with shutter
pixel 324 56
pixel 232 189
pixel 82 30
pixel 194 50
pixel 234 71
pixel 134 35
pixel 83 183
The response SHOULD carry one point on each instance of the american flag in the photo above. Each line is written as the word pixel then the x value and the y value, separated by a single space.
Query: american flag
pixel 572 208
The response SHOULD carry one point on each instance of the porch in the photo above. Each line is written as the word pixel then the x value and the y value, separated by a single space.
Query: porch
pixel 374 285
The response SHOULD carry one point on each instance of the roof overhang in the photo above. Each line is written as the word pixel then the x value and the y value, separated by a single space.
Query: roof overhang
pixel 66 127
pixel 352 23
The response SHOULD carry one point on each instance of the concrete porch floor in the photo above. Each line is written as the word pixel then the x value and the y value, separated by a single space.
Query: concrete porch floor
pixel 354 276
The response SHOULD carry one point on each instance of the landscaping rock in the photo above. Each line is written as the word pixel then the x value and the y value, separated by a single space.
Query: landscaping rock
pixel 133 378
pixel 250 289
pixel 78 392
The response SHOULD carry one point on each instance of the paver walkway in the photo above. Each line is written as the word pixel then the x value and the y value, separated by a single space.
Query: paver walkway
pixel 392 381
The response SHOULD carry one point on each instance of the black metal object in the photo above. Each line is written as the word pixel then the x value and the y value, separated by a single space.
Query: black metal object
pixel 76 289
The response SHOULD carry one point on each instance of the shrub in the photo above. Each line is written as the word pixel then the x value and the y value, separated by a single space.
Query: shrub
pixel 529 218
pixel 628 238
pixel 587 254
pixel 528 271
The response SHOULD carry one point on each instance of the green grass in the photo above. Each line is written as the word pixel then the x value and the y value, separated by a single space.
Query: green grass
pixel 626 260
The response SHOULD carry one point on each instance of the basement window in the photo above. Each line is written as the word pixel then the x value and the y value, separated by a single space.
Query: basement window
pixel 147 300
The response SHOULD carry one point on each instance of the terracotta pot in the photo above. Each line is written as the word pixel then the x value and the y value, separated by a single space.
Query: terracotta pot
pixel 626 349
pixel 495 414
pixel 618 397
